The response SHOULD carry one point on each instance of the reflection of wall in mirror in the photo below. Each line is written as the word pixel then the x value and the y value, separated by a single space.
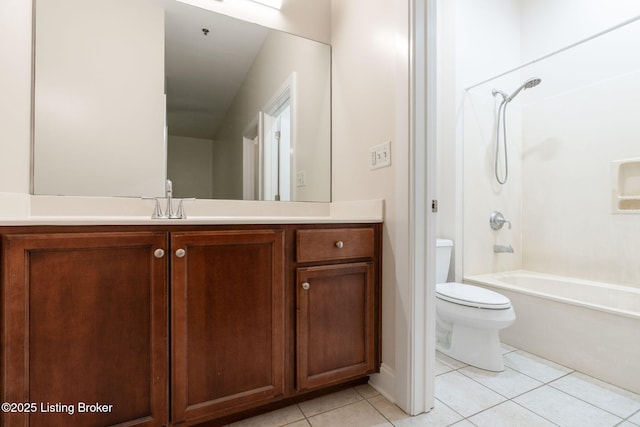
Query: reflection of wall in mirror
pixel 190 166
pixel 282 55
pixel 90 82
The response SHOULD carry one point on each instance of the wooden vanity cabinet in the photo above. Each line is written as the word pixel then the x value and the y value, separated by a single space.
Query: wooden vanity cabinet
pixel 337 306
pixel 84 321
pixel 228 322
pixel 181 325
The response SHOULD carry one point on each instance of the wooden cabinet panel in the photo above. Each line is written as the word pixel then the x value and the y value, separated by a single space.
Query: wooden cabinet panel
pixel 228 321
pixel 335 323
pixel 85 321
pixel 334 244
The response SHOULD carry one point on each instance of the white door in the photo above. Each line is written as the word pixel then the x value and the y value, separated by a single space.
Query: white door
pixel 276 152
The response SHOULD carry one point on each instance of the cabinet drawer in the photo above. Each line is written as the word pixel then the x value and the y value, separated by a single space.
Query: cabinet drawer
pixel 334 244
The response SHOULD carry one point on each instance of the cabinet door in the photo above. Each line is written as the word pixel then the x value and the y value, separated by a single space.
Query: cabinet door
pixel 335 323
pixel 228 321
pixel 85 322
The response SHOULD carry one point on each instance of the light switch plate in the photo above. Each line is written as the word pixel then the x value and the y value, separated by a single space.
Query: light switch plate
pixel 300 179
pixel 380 156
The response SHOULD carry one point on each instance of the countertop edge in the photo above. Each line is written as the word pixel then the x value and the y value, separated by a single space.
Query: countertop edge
pixel 26 210
pixel 57 221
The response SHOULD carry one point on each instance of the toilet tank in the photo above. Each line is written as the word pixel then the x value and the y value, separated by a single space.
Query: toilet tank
pixel 443 257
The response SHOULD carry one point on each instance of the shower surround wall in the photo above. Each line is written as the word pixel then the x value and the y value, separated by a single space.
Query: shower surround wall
pixel 584 118
pixel 469 52
pixel 482 192
pixel 563 136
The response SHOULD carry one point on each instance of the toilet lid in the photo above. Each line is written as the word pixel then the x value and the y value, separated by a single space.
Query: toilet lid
pixel 471 296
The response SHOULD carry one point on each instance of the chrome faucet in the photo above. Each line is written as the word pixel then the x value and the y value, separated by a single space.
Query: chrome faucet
pixel 502 249
pixel 168 212
pixel 168 194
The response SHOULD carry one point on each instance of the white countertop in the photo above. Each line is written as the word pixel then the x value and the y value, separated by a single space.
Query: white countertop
pixel 20 210
pixel 203 220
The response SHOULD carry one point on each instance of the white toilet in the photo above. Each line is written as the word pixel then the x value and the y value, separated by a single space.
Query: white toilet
pixel 468 318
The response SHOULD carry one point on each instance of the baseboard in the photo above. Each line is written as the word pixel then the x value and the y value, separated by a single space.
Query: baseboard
pixel 385 382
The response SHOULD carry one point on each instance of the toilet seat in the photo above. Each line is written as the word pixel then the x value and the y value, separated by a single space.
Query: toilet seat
pixel 472 296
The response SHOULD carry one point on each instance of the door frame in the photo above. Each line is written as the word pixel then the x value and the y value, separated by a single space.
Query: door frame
pixel 415 307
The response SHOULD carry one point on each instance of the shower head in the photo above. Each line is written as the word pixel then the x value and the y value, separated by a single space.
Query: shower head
pixel 533 82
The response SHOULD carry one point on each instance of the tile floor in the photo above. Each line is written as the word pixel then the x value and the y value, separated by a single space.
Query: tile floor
pixel 530 392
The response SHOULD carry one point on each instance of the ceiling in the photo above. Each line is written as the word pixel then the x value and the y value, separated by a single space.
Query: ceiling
pixel 204 70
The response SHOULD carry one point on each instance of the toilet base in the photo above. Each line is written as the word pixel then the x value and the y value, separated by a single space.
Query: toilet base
pixel 475 347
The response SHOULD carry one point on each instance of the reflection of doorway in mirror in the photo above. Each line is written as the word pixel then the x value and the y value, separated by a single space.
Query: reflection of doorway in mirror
pixel 277 153
pixel 250 170
pixel 268 148
pixel 271 172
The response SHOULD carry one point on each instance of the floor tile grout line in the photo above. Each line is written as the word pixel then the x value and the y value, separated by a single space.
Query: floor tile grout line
pixel 534 412
pixel 549 383
pixel 337 407
pixel 467 418
pixel 378 411
pixel 368 398
pixel 362 398
pixel 632 415
pixel 592 404
pixel 542 384
pixel 588 403
pixel 448 406
pixel 507 399
pixel 613 385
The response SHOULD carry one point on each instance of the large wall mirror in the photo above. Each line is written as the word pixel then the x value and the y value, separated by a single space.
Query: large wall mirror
pixel 129 93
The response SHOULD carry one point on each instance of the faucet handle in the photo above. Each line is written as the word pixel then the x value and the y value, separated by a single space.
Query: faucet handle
pixel 497 220
pixel 180 212
pixel 157 210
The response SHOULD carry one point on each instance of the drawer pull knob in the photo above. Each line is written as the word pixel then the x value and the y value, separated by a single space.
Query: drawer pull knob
pixel 306 286
pixel 339 244
pixel 158 253
pixel 180 253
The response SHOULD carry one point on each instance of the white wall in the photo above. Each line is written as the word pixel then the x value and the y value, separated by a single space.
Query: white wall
pixel 190 166
pixel 563 134
pixel 478 39
pixel 582 117
pixel 370 106
pixel 15 101
pixel 548 25
pixel 84 130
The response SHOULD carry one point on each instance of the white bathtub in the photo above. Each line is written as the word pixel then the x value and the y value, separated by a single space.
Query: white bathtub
pixel 588 326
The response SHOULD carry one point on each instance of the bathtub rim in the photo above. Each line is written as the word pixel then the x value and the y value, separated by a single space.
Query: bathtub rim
pixel 493 279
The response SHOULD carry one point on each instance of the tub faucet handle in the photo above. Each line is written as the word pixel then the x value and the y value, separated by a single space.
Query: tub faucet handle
pixel 497 220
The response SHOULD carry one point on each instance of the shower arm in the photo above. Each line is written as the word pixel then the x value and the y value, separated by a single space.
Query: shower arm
pixel 495 92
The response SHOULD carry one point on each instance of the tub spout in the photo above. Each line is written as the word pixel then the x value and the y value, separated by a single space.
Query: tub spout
pixel 502 249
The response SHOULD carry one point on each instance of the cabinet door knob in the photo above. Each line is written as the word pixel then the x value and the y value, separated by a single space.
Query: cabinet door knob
pixel 158 253
pixel 180 253
pixel 339 244
pixel 306 286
